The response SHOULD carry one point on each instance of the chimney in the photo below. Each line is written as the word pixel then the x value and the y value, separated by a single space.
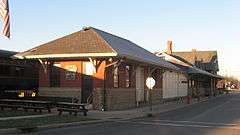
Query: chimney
pixel 194 54
pixel 194 50
pixel 169 47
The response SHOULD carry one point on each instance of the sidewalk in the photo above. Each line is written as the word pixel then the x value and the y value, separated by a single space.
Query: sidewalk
pixel 141 112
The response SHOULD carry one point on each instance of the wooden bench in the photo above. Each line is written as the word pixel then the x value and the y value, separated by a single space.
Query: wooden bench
pixel 26 104
pixel 13 107
pixel 71 108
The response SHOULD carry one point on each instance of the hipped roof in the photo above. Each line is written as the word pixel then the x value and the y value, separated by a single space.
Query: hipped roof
pixel 192 56
pixel 92 42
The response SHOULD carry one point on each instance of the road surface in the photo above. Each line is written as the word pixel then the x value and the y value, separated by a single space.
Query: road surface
pixel 218 116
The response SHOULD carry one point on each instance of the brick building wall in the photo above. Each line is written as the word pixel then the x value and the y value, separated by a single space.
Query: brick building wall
pixel 122 97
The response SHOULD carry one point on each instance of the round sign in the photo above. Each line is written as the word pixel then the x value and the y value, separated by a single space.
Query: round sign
pixel 150 82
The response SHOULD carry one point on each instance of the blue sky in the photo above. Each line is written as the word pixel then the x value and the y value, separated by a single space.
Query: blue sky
pixel 202 24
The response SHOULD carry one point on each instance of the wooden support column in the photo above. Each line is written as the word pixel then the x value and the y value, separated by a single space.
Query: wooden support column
pixel 189 84
pixel 214 87
pixel 211 86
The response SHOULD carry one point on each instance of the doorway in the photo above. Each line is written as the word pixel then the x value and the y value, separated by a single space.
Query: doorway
pixel 87 81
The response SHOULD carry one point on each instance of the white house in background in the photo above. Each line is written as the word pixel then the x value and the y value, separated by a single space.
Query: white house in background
pixel 196 79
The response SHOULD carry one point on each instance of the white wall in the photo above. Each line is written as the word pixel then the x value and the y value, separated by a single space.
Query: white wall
pixel 173 85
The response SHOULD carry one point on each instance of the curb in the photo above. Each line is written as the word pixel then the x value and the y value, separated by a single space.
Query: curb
pixel 10 131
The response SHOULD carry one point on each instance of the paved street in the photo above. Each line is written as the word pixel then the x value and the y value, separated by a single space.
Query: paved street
pixel 218 116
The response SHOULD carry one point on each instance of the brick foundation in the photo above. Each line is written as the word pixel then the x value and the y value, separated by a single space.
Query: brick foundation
pixel 121 98
pixel 60 92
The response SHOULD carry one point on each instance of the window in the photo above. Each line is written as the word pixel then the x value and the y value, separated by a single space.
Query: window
pixel 127 75
pixel 115 77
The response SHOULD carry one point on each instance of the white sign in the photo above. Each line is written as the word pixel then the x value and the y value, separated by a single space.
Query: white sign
pixel 150 82
pixel 71 72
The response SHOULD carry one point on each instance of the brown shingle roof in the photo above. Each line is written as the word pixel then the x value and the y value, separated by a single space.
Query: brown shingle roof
pixel 91 41
pixel 84 41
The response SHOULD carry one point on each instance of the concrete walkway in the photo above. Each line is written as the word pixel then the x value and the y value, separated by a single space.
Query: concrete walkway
pixel 141 112
pixel 124 114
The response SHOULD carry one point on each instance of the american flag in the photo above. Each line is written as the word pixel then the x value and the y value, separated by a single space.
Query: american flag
pixel 4 13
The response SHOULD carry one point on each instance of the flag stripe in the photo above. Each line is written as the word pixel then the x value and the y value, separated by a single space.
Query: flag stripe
pixel 4 12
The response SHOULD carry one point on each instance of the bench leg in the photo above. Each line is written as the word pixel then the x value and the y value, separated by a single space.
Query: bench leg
pixel 15 109
pixel 2 108
pixel 40 110
pixel 85 113
pixel 60 113
pixel 75 113
pixel 49 110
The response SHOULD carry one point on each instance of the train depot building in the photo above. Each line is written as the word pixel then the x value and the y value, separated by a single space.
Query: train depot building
pixel 109 72
pixel 99 68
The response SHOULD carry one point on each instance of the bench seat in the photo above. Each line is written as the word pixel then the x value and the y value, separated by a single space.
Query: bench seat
pixel 72 110
pixel 13 107
pixel 35 108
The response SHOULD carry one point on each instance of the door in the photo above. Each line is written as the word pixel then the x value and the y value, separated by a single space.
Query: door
pixel 139 84
pixel 87 81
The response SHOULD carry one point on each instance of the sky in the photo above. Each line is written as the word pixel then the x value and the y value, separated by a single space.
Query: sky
pixel 198 24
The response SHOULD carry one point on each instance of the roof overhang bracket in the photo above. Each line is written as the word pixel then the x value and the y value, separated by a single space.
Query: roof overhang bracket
pixel 116 63
pixel 152 70
pixel 43 65
pixel 96 63
pixel 93 62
